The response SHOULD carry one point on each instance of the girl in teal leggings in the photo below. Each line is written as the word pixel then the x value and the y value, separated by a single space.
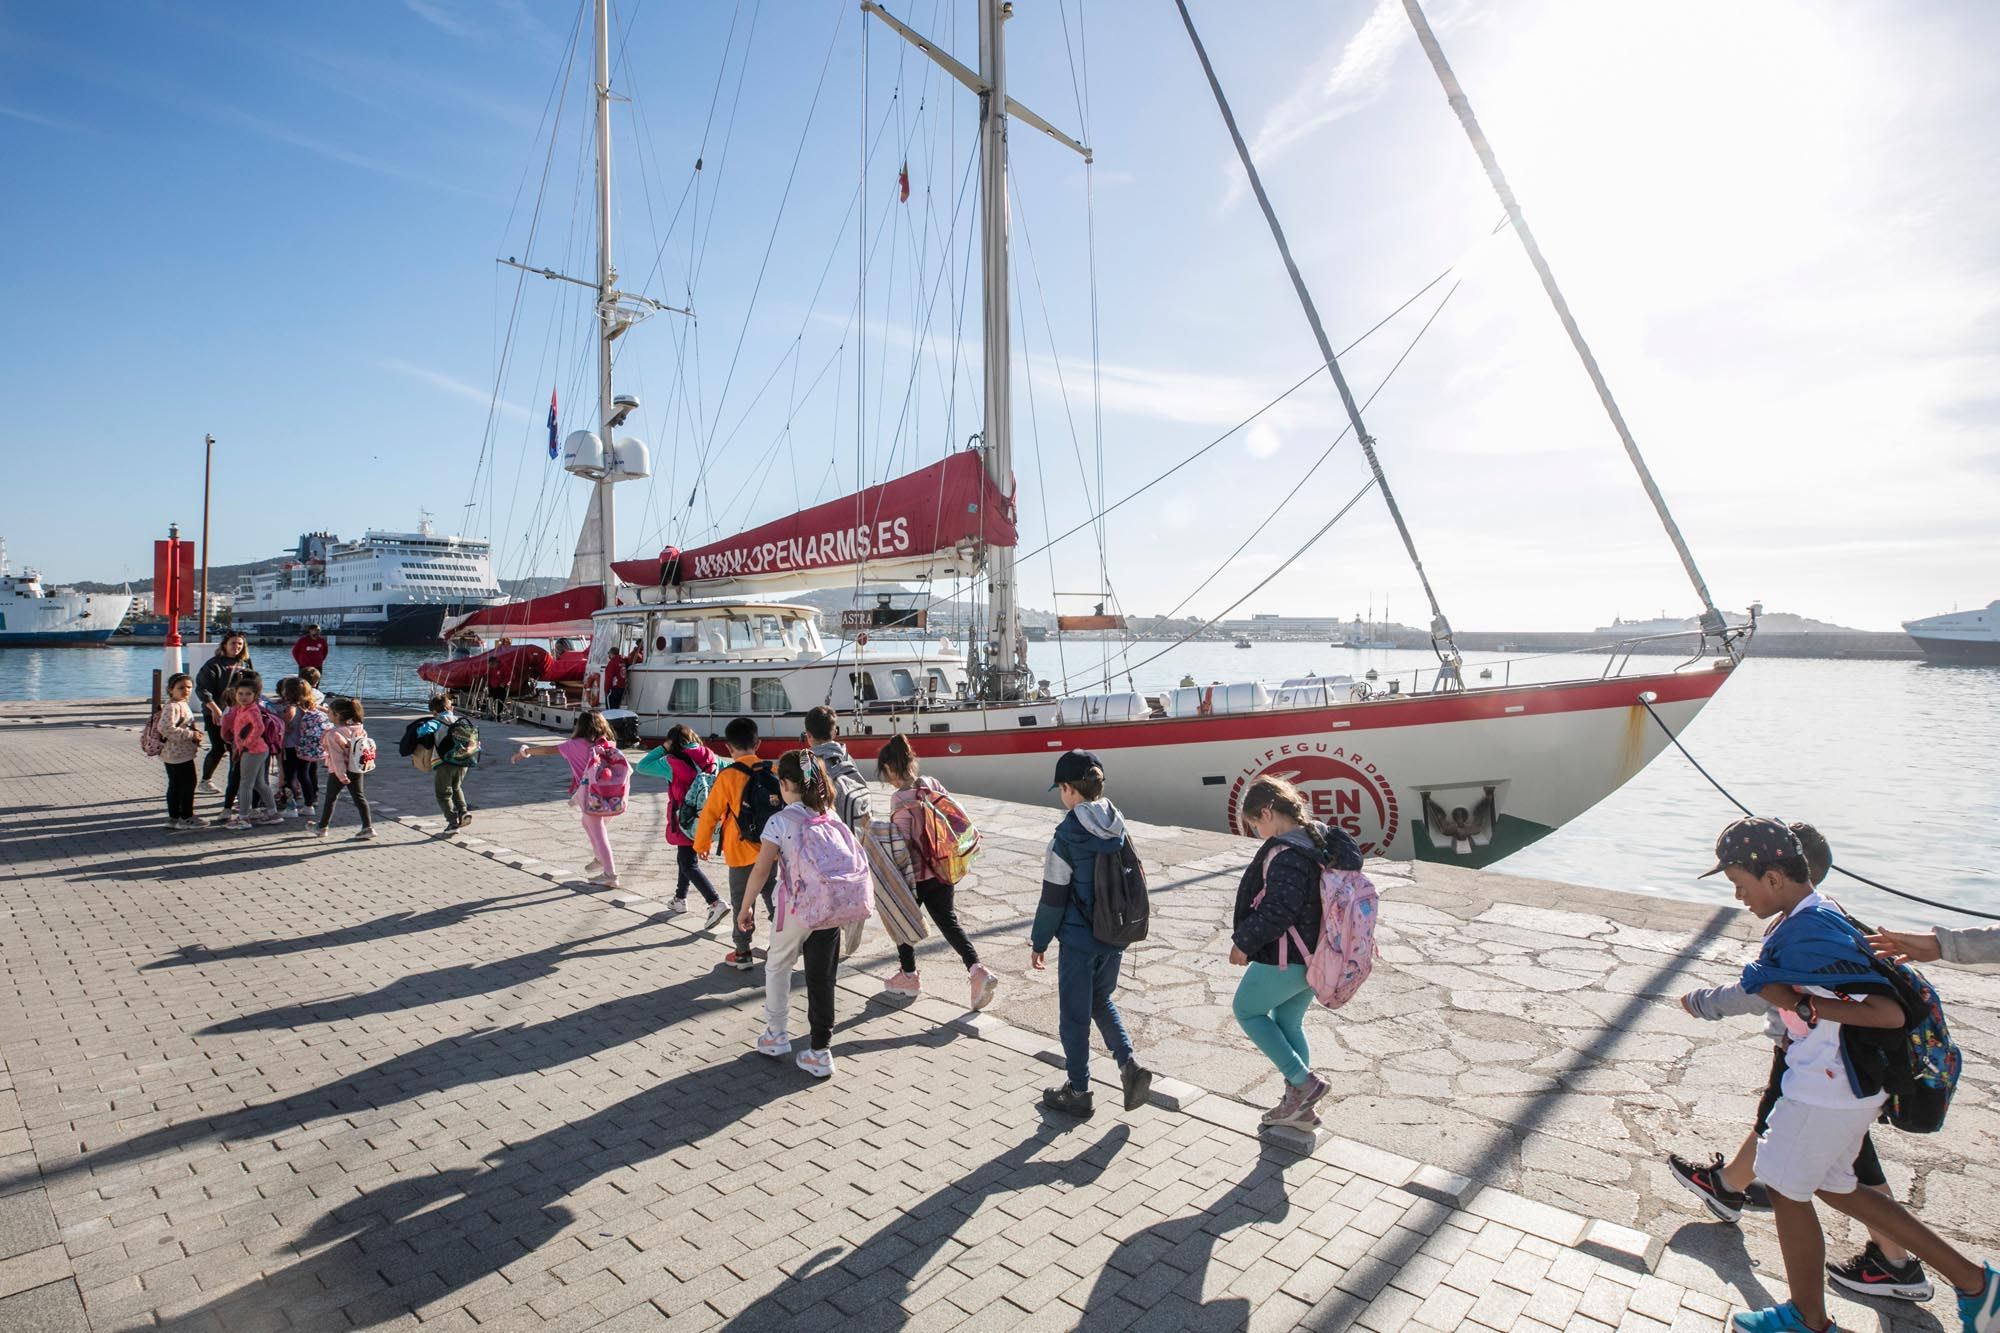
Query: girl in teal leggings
pixel 1277 925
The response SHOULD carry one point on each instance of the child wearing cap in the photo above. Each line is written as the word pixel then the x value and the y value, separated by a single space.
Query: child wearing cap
pixel 1816 972
pixel 1087 968
pixel 1882 1268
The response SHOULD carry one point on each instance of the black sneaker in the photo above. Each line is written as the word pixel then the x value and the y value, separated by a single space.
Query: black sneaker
pixel 1069 1101
pixel 1871 1274
pixel 1138 1082
pixel 1757 1198
pixel 1706 1181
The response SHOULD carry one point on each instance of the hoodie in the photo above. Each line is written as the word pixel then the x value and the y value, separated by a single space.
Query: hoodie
pixel 1815 949
pixel 1286 871
pixel 1069 876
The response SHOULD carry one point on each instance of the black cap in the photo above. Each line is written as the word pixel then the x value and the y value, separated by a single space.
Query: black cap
pixel 1753 841
pixel 1075 765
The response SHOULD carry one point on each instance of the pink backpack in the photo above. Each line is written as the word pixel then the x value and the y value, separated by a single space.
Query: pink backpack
pixel 1346 952
pixel 826 876
pixel 608 782
pixel 150 741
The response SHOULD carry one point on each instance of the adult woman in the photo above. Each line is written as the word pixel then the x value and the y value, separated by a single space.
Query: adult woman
pixel 1276 927
pixel 215 687
pixel 581 750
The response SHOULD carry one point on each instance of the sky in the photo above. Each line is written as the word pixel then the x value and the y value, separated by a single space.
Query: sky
pixel 1775 224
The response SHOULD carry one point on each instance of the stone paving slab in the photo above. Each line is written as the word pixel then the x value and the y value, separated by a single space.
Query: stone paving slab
pixel 268 1083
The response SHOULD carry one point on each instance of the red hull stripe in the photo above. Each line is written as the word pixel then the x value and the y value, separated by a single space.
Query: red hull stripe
pixel 1408 711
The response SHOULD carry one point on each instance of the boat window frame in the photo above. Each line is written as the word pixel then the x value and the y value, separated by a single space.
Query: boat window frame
pixel 684 706
pixel 767 684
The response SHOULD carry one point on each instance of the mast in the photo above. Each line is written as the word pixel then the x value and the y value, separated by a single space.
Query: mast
pixel 1712 622
pixel 603 505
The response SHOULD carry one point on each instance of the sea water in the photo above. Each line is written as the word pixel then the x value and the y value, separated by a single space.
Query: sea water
pixel 1898 763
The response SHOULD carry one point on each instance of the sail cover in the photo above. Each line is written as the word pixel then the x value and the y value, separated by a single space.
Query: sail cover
pixel 934 521
pixel 558 613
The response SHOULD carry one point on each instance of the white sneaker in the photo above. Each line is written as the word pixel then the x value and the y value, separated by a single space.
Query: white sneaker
pixel 716 911
pixel 593 867
pixel 817 1063
pixel 365 835
pixel 982 984
pixel 318 832
pixel 774 1044
pixel 208 785
pixel 608 881
pixel 675 906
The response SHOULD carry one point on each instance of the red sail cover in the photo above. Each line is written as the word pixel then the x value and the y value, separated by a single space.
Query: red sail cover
pixel 933 509
pixel 545 617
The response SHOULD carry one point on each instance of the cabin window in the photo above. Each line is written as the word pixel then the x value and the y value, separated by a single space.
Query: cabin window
pixel 901 683
pixel 864 686
pixel 939 685
pixel 767 695
pixel 739 634
pixel 770 631
pixel 725 695
pixel 686 696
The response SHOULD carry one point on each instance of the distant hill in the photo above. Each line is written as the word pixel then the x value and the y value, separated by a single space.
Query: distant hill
pixel 221 578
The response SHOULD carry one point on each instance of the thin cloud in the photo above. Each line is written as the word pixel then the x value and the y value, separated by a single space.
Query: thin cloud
pixel 457 388
pixel 47 122
pixel 441 17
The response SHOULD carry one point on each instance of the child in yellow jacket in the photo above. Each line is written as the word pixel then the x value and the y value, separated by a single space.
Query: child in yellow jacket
pixel 745 794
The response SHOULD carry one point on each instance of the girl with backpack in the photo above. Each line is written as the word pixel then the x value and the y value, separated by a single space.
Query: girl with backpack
pixel 1275 929
pixel 350 756
pixel 689 768
pixel 176 740
pixel 309 715
pixel 913 812
pixel 250 745
pixel 823 885
pixel 599 776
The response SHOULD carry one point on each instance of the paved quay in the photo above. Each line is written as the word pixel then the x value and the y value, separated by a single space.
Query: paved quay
pixel 256 1081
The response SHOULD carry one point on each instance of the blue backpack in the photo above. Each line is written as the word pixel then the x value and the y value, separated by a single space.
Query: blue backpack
pixel 1917 1064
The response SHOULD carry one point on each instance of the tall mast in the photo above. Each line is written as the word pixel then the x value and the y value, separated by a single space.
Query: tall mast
pixel 602 502
pixel 1712 622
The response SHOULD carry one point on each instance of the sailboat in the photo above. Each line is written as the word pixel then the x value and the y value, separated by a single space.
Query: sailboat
pixel 1462 774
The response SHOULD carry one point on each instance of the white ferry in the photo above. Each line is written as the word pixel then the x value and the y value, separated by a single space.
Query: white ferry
pixel 1963 638
pixel 391 587
pixel 33 614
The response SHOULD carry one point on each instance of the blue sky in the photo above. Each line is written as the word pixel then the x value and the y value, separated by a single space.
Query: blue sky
pixel 1776 223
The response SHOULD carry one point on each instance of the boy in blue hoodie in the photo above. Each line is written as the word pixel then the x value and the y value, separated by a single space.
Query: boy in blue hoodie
pixel 1087 968
pixel 1817 972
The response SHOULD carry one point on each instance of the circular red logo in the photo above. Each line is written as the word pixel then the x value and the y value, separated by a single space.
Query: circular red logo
pixel 1344 790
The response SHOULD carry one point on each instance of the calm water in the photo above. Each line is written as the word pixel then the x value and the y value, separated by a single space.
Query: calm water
pixel 1898 762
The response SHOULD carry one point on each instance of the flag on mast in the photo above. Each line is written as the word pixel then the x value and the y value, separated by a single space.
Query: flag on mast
pixel 903 183
pixel 553 451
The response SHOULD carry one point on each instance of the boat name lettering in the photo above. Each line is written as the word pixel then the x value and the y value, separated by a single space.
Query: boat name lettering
pixel 841 546
pixel 1345 790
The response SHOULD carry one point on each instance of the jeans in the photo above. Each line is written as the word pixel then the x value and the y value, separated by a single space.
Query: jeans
pixel 821 950
pixel 334 787
pixel 689 872
pixel 255 771
pixel 1270 1005
pixel 448 784
pixel 180 790
pixel 1085 978
pixel 938 898
pixel 739 885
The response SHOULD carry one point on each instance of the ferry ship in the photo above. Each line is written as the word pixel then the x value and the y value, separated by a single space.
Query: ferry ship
pixel 33 614
pixel 388 587
pixel 1962 638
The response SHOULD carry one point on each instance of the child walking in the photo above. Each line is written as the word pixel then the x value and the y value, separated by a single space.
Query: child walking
pixel 585 751
pixel 1087 968
pixel 452 758
pixel 309 717
pixel 689 768
pixel 180 741
pixel 897 765
pixel 1276 927
pixel 802 842
pixel 250 746
pixel 350 754
pixel 1817 973
pixel 745 795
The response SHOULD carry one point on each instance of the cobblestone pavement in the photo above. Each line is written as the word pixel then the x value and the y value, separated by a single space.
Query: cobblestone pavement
pixel 254 1081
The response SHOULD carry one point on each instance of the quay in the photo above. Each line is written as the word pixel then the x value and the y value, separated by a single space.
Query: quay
pixel 258 1081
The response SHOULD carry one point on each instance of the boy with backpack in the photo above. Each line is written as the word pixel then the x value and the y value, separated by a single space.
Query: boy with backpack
pixel 744 796
pixel 1277 932
pixel 1816 971
pixel 453 742
pixel 1085 898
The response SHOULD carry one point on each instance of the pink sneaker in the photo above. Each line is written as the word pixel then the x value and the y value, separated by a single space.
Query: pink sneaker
pixel 983 984
pixel 906 983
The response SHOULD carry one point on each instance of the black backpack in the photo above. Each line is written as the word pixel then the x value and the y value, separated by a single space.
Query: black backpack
pixel 761 799
pixel 1122 910
pixel 411 742
pixel 458 744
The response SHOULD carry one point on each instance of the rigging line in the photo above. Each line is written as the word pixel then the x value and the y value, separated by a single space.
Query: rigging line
pixel 1440 627
pixel 1712 621
pixel 1326 454
pixel 1646 703
pixel 728 137
pixel 1262 583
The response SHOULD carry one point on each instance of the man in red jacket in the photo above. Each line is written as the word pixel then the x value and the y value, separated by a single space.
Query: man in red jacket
pixel 310 650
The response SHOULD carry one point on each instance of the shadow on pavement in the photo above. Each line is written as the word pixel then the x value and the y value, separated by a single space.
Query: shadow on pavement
pixel 383 927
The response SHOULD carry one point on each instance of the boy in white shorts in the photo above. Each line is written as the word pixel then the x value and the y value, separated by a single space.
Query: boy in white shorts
pixel 1816 970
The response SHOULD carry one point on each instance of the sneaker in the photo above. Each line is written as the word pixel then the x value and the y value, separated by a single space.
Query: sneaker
pixel 906 983
pixel 773 1044
pixel 319 830
pixel 1706 1181
pixel 1779 1319
pixel 365 834
pixel 675 906
pixel 1871 1274
pixel 983 984
pixel 184 825
pixel 1757 1198
pixel 740 959
pixel 464 818
pixel 266 817
pixel 234 824
pixel 1068 1100
pixel 450 826
pixel 592 867
pixel 716 911
pixel 1295 1108
pixel 1138 1082
pixel 208 785
pixel 817 1063
pixel 223 820
pixel 1981 1313
pixel 606 881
